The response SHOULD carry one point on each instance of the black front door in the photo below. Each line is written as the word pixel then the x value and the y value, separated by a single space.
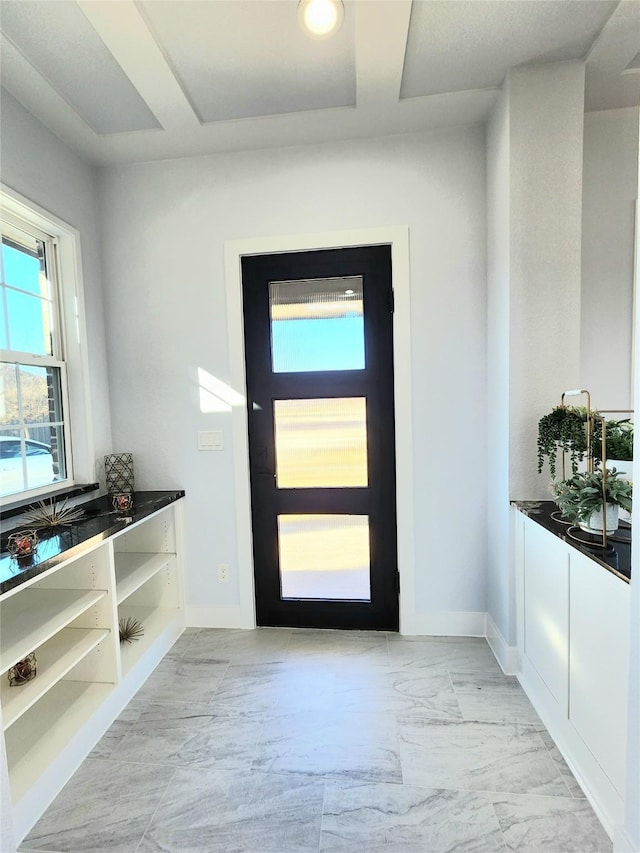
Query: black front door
pixel 319 353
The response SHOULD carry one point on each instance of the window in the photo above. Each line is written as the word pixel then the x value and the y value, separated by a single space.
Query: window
pixel 42 393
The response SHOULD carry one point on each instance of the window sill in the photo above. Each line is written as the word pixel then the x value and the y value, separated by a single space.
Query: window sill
pixel 19 506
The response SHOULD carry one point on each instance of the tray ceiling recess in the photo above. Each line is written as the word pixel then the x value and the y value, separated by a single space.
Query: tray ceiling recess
pixel 60 43
pixel 245 59
pixel 131 81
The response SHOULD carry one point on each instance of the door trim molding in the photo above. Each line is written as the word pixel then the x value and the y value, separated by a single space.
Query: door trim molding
pixel 398 238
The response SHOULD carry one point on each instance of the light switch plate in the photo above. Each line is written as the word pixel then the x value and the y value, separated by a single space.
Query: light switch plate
pixel 210 440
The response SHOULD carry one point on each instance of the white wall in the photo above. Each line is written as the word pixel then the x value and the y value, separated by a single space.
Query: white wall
pixel 609 194
pixel 534 213
pixel 546 134
pixel 164 226
pixel 498 342
pixel 38 165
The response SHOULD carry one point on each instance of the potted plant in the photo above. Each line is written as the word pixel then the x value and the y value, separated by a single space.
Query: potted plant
pixel 581 498
pixel 619 447
pixel 563 429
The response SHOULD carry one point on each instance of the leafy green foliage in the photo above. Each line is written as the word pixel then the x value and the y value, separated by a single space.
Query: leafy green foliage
pixel 619 440
pixel 583 494
pixel 563 429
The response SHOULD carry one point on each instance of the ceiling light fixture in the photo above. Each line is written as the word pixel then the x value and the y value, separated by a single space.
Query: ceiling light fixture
pixel 320 19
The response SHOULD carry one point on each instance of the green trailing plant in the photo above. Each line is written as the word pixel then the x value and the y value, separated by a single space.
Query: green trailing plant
pixel 619 440
pixel 582 494
pixel 563 429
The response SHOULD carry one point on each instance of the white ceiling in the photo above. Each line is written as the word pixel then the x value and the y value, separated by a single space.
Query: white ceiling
pixel 123 81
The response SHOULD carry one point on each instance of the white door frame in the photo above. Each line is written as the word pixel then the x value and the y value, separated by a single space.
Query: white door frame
pixel 398 238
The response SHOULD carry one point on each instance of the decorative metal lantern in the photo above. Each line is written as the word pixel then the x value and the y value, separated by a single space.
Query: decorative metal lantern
pixel 122 503
pixel 24 670
pixel 118 468
pixel 22 544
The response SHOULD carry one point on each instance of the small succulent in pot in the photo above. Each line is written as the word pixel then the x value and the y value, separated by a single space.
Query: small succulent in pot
pixel 584 494
pixel 563 429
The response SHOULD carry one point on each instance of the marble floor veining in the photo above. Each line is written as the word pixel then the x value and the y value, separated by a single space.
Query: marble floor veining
pixel 300 741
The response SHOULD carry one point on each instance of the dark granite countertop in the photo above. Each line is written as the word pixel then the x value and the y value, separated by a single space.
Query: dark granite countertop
pixel 617 557
pixel 55 546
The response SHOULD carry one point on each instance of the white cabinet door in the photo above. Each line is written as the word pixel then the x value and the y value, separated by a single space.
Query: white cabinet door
pixel 599 663
pixel 546 609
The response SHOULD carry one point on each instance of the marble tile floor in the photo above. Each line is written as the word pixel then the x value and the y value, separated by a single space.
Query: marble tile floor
pixel 293 741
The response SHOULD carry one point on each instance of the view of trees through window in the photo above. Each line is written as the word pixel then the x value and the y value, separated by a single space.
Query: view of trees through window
pixel 33 391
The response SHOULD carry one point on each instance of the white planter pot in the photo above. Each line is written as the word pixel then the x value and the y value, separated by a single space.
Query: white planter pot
pixel 594 523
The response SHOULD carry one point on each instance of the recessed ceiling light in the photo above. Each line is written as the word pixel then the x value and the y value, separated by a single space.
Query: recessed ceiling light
pixel 320 19
pixel 349 292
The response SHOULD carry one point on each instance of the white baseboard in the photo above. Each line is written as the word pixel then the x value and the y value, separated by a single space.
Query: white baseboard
pixel 622 843
pixel 507 656
pixel 445 624
pixel 218 617
pixel 435 623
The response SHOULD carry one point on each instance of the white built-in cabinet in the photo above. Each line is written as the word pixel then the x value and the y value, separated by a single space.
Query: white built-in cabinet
pixel 599 619
pixel 573 634
pixel 69 617
pixel 546 611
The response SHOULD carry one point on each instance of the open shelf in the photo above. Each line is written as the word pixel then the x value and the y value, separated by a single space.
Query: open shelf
pixel 31 618
pixel 154 620
pixel 38 738
pixel 69 618
pixel 134 570
pixel 54 660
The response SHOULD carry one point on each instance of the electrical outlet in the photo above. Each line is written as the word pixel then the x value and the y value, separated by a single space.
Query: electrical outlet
pixel 224 573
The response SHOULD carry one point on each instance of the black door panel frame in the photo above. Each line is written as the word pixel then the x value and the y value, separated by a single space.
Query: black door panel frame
pixel 375 383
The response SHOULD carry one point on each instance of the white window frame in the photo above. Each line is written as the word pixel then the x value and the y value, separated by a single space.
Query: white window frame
pixel 63 246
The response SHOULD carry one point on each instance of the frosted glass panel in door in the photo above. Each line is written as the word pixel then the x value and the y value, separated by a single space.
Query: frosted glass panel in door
pixel 317 324
pixel 324 557
pixel 321 443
